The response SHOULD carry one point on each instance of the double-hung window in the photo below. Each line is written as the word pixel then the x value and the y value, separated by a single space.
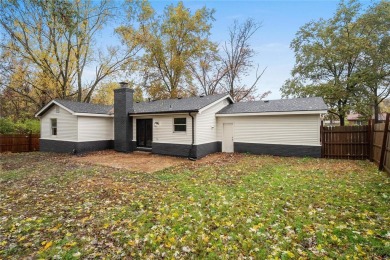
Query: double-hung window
pixel 180 124
pixel 53 126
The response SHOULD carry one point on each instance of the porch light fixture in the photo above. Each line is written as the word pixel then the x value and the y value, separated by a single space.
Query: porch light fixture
pixel 156 124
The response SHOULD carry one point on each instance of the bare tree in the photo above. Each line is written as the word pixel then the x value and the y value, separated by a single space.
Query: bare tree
pixel 208 72
pixel 57 38
pixel 238 61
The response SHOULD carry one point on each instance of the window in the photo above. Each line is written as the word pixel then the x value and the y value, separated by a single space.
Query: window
pixel 57 109
pixel 54 126
pixel 179 124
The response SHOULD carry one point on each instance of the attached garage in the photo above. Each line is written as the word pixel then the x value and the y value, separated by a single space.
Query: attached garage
pixel 289 127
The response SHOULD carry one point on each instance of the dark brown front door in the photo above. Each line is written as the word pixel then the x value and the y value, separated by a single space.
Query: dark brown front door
pixel 144 132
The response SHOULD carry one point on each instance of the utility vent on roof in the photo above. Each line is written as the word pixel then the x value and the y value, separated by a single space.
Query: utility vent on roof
pixel 202 95
pixel 178 97
pixel 266 101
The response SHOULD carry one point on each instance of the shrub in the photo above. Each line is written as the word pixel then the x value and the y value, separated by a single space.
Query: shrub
pixel 7 126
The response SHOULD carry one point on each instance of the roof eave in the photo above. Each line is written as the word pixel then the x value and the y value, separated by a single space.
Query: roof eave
pixel 300 112
pixel 93 115
pixel 164 112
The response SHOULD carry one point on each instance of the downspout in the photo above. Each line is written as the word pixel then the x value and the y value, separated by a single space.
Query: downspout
pixel 193 139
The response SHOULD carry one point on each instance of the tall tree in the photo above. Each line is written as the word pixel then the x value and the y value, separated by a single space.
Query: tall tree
pixel 208 72
pixel 337 59
pixel 105 93
pixel 57 39
pixel 39 33
pixel 237 59
pixel 170 42
pixel 374 64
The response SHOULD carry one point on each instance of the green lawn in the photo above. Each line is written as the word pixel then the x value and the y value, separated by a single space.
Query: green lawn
pixel 252 206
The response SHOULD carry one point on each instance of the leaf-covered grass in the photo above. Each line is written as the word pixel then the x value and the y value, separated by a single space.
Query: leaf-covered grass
pixel 248 206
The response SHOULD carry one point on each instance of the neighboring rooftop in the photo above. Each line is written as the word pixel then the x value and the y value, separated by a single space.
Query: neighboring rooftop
pixel 191 104
pixel 359 117
pixel 280 105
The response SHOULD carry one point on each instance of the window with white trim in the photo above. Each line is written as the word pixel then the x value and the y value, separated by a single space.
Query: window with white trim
pixel 53 126
pixel 180 124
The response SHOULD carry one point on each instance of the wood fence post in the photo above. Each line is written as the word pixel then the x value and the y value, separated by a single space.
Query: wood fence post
pixel 384 143
pixel 369 139
pixel 372 140
pixel 322 139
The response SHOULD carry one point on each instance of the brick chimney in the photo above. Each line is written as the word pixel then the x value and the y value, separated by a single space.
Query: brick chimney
pixel 123 124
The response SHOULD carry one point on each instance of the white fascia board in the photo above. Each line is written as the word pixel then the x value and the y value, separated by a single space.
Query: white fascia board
pixel 215 102
pixel 274 113
pixel 92 115
pixel 56 103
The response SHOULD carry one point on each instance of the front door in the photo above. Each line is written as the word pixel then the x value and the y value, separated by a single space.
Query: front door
pixel 144 132
pixel 227 141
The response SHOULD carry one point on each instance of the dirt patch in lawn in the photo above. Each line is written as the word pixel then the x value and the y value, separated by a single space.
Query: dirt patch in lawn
pixel 147 162
pixel 136 161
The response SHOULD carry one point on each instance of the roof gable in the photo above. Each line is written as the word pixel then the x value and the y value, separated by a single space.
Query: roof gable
pixel 281 105
pixel 76 107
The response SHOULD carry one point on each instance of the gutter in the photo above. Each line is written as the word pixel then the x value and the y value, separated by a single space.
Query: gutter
pixel 193 139
pixel 163 112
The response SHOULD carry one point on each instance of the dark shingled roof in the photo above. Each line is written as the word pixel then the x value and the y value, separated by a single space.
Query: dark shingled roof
pixel 191 104
pixel 80 107
pixel 281 105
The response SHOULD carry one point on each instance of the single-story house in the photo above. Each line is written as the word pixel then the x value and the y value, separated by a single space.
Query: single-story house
pixel 189 127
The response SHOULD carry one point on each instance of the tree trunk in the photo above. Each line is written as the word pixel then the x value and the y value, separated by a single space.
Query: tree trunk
pixel 376 112
pixel 342 120
pixel 376 104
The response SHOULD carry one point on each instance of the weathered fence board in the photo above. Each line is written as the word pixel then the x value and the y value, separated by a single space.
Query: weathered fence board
pixel 19 143
pixel 371 142
pixel 377 141
pixel 345 142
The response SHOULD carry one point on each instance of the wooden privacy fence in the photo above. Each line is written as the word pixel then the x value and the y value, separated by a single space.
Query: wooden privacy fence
pixel 381 145
pixel 19 143
pixel 345 142
pixel 358 143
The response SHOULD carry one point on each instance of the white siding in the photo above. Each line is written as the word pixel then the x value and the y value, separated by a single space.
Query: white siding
pixel 206 123
pixel 66 125
pixel 95 128
pixel 283 129
pixel 163 133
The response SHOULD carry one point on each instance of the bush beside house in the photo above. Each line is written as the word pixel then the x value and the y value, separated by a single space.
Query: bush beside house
pixel 7 126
